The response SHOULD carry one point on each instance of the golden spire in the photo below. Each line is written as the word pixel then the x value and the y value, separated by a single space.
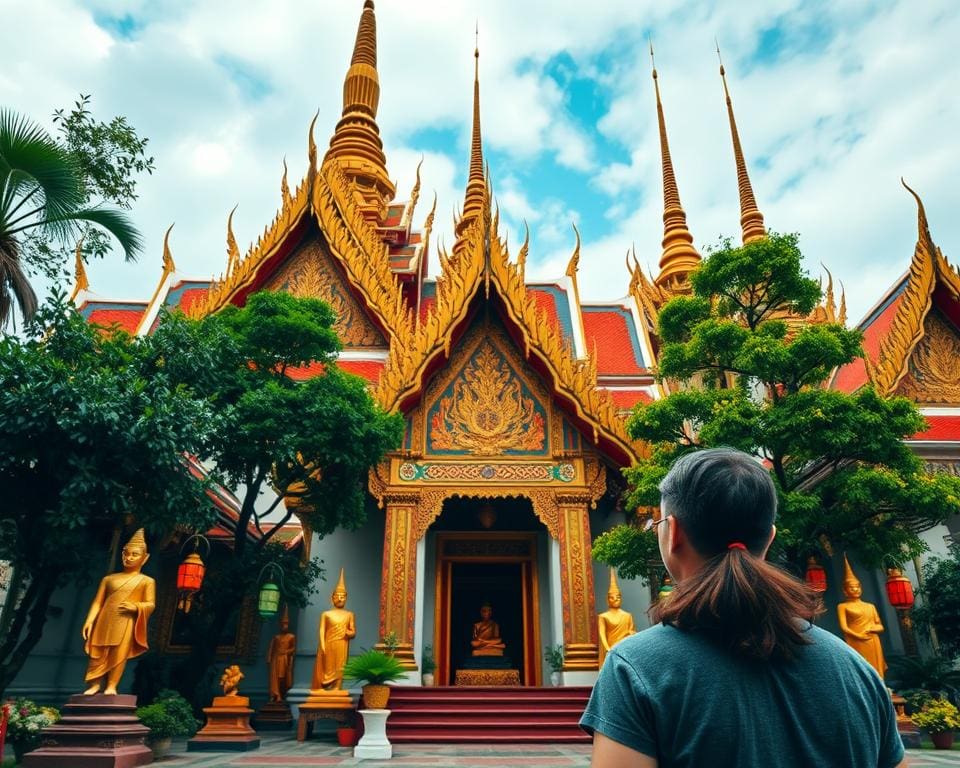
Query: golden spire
pixel 356 140
pixel 475 198
pixel 341 583
pixel 614 587
pixel 574 262
pixel 679 257
pixel 81 283
pixel 849 577
pixel 138 539
pixel 168 266
pixel 284 185
pixel 751 220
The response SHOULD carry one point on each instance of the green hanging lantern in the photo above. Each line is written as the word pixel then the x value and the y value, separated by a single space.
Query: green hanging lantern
pixel 268 601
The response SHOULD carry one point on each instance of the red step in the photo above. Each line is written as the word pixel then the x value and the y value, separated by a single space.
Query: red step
pixel 487 714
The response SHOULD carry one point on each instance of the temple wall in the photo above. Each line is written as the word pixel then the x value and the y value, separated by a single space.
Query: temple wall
pixel 360 553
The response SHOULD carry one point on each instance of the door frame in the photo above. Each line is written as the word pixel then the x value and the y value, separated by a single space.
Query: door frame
pixel 530 585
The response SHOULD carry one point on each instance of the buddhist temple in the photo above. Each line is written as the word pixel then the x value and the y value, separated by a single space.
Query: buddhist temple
pixel 514 393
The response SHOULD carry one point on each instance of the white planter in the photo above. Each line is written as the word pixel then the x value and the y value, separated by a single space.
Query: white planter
pixel 555 679
pixel 428 679
pixel 374 745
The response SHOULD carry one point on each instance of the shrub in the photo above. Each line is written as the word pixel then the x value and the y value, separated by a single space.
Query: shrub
pixel 170 715
pixel 554 656
pixel 940 608
pixel 373 668
pixel 427 664
pixel 27 719
pixel 937 716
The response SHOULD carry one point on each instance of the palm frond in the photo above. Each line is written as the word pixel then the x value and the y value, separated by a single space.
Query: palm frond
pixel 14 285
pixel 30 158
pixel 115 222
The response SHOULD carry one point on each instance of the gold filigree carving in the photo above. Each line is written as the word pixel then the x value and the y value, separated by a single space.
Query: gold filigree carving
pixel 309 273
pixel 487 412
pixel 934 370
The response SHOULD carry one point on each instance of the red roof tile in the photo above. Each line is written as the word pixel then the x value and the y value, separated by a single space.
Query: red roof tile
pixel 625 399
pixel 127 319
pixel 853 375
pixel 946 428
pixel 367 369
pixel 612 335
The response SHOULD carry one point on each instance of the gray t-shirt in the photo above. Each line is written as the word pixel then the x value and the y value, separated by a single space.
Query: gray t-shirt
pixel 678 697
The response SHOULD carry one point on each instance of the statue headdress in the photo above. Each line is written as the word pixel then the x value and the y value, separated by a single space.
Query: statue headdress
pixel 138 538
pixel 614 587
pixel 341 584
pixel 849 577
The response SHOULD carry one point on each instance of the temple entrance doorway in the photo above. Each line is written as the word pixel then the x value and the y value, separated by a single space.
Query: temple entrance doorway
pixel 480 563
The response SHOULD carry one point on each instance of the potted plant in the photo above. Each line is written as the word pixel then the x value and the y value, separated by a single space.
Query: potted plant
pixel 373 670
pixel 427 665
pixel 554 657
pixel 27 719
pixel 940 719
pixel 347 732
pixel 169 716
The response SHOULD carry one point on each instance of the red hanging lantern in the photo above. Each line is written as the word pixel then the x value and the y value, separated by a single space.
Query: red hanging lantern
pixel 816 575
pixel 190 574
pixel 899 589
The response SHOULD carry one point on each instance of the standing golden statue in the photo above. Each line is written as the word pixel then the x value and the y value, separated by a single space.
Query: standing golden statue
pixel 280 656
pixel 614 624
pixel 116 627
pixel 337 629
pixel 486 634
pixel 860 622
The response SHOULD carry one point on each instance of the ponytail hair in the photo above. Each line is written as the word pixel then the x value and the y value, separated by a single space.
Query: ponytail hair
pixel 726 503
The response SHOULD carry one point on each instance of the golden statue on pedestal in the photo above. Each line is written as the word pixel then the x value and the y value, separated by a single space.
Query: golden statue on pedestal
pixel 116 627
pixel 860 622
pixel 280 655
pixel 337 629
pixel 486 634
pixel 614 624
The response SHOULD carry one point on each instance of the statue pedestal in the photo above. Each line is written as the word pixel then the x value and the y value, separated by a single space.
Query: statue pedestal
pixel 228 727
pixel 498 677
pixel 95 731
pixel 323 705
pixel 274 716
pixel 373 745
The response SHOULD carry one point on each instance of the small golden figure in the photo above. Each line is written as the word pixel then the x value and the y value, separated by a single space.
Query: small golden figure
pixel 337 629
pixel 613 624
pixel 230 680
pixel 486 634
pixel 116 627
pixel 280 656
pixel 860 622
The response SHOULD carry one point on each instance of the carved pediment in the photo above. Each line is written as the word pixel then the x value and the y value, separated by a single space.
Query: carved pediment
pixel 933 373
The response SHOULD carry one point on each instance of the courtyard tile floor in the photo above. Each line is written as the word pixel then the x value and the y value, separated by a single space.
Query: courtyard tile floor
pixel 283 752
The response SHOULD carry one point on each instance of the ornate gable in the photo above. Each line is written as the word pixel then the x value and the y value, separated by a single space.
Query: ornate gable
pixel 933 372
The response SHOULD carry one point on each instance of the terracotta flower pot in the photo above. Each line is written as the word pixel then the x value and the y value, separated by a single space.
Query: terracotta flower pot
pixel 347 737
pixel 942 740
pixel 375 696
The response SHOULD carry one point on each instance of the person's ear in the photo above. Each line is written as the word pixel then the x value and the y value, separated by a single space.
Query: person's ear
pixel 773 535
pixel 675 534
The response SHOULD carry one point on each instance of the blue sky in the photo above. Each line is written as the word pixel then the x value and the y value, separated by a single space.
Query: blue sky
pixel 834 101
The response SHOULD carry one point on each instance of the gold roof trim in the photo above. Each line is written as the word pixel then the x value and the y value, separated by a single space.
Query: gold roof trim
pixel 461 278
pixel 81 283
pixel 926 267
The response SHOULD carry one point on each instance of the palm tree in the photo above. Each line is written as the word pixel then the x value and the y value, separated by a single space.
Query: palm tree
pixel 41 189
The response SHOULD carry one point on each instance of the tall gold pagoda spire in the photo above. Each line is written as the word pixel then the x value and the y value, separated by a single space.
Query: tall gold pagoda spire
pixel 751 220
pixel 476 194
pixel 356 140
pixel 679 257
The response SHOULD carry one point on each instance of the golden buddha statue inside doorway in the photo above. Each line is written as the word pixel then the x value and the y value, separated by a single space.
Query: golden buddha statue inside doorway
pixel 486 634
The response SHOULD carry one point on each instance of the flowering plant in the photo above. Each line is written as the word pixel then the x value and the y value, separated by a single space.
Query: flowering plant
pixel 937 716
pixel 27 719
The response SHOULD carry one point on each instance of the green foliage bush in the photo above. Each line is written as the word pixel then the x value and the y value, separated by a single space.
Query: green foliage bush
pixel 170 715
pixel 940 607
pixel 373 668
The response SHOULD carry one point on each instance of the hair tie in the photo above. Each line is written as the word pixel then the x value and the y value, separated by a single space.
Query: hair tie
pixel 737 545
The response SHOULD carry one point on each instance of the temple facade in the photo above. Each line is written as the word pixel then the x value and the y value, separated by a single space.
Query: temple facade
pixel 515 394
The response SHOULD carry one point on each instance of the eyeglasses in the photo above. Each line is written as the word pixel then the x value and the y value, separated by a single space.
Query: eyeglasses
pixel 651 523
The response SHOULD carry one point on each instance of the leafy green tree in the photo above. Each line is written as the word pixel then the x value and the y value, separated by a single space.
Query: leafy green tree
pixel 45 196
pixel 743 376
pixel 93 431
pixel 310 442
pixel 940 605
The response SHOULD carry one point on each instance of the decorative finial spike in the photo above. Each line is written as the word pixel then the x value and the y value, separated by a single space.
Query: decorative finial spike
pixel 233 252
pixel 574 262
pixel 168 265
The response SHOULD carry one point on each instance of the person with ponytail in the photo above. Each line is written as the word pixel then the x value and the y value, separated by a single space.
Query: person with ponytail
pixel 734 672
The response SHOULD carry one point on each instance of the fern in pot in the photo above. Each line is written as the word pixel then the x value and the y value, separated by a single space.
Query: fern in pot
pixel 373 670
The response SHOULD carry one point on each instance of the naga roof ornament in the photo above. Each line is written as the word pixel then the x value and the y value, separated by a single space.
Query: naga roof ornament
pixel 751 220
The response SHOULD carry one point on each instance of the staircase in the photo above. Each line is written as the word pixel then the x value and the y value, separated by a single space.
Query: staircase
pixel 491 715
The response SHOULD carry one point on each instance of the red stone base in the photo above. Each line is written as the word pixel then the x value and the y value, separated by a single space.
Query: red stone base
pixel 228 727
pixel 96 731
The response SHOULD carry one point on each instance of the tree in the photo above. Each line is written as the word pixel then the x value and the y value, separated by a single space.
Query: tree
pixel 93 431
pixel 940 609
pixel 56 194
pixel 309 443
pixel 744 377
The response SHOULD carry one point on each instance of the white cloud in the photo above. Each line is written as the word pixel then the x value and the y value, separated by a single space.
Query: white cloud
pixel 225 92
